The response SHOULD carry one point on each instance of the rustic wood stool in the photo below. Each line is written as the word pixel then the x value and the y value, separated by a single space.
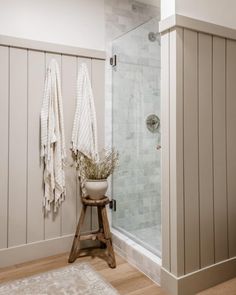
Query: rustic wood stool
pixel 103 234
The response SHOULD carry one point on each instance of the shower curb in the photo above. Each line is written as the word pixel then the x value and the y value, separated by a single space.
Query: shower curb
pixel 136 255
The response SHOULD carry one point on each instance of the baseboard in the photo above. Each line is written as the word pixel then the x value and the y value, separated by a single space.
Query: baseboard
pixel 33 251
pixel 40 249
pixel 197 281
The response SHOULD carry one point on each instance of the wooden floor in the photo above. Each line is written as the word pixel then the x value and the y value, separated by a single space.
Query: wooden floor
pixel 125 278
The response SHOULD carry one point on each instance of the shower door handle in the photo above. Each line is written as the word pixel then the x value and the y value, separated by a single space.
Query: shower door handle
pixel 158 147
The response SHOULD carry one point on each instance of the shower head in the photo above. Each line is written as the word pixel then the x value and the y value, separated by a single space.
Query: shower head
pixel 152 36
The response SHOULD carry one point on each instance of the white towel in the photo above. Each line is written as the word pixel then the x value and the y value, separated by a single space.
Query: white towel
pixel 53 151
pixel 84 134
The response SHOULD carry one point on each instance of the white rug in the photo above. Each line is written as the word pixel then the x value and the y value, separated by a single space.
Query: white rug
pixel 79 279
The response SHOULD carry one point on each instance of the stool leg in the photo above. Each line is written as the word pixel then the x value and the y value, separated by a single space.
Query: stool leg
pixel 100 224
pixel 100 219
pixel 76 243
pixel 107 234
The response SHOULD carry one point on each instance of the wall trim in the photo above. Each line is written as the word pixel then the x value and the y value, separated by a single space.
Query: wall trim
pixel 36 250
pixel 178 20
pixel 51 47
pixel 199 280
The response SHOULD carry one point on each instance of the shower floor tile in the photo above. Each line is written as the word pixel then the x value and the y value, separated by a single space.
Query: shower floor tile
pixel 149 237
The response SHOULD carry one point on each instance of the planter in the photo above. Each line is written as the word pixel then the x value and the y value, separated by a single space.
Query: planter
pixel 96 189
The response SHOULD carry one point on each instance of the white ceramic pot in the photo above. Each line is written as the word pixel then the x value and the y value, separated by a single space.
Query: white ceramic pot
pixel 96 189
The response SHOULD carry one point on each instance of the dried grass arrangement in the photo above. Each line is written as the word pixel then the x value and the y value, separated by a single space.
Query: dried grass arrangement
pixel 103 168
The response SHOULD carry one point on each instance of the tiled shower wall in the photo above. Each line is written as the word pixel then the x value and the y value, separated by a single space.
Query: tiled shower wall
pixel 136 95
pixel 122 16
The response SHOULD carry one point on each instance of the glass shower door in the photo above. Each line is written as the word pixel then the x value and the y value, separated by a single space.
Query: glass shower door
pixel 136 135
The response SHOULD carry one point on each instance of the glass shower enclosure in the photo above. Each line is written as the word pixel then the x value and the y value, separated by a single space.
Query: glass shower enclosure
pixel 136 135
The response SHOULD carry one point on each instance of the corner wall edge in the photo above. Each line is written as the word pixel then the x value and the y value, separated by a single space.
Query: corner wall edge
pixel 178 20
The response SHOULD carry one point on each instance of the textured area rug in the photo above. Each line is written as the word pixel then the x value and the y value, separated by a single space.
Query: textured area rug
pixel 79 279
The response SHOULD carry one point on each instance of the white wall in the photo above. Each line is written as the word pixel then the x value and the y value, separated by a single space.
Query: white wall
pixel 75 22
pixel 167 8
pixel 215 11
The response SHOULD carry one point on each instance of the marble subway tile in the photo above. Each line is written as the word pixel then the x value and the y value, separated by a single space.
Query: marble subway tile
pixel 133 92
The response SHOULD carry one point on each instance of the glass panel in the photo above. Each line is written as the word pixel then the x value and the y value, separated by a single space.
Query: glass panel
pixel 136 95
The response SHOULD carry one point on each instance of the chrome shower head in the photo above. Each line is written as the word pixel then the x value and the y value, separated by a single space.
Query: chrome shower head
pixel 152 36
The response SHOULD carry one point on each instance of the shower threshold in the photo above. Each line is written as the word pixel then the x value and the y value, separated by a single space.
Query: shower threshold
pixel 137 255
pixel 148 238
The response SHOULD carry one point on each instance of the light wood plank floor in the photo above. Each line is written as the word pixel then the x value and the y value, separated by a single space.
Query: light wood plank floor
pixel 125 278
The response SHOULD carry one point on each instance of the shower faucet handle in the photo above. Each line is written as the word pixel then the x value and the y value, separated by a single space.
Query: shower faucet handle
pixel 158 147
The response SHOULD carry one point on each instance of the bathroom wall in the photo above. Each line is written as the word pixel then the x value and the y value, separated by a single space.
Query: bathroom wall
pixel 75 22
pixel 121 16
pixel 198 140
pixel 217 12
pixel 26 231
pixel 198 157
pixel 167 8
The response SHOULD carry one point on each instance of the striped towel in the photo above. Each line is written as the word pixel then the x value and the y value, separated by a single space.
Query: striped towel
pixel 53 151
pixel 84 134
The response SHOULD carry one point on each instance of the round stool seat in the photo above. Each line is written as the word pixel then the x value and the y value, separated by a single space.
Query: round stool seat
pixel 99 202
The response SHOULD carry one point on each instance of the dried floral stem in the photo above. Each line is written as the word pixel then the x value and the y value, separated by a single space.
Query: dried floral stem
pixel 103 168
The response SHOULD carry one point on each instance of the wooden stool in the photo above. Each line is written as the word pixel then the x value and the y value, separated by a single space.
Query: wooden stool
pixel 103 234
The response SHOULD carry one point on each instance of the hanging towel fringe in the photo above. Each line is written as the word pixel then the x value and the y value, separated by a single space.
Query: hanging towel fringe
pixel 53 151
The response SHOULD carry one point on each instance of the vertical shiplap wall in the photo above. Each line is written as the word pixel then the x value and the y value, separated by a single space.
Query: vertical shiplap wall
pixel 231 143
pixel 36 77
pixel 199 154
pixel 4 122
pixel 165 155
pixel 22 76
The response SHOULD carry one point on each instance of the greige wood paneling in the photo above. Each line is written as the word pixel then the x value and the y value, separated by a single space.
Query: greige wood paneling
pixel 4 101
pixel 88 220
pixel 98 85
pixel 207 129
pixel 165 172
pixel 35 214
pixel 69 77
pixel 22 77
pixel 17 148
pixel 176 152
pixel 53 220
pixel 206 150
pixel 231 143
pixel 219 144
pixel 98 80
pixel 191 151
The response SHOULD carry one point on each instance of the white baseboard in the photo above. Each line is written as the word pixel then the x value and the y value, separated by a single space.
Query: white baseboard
pixel 197 281
pixel 37 250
